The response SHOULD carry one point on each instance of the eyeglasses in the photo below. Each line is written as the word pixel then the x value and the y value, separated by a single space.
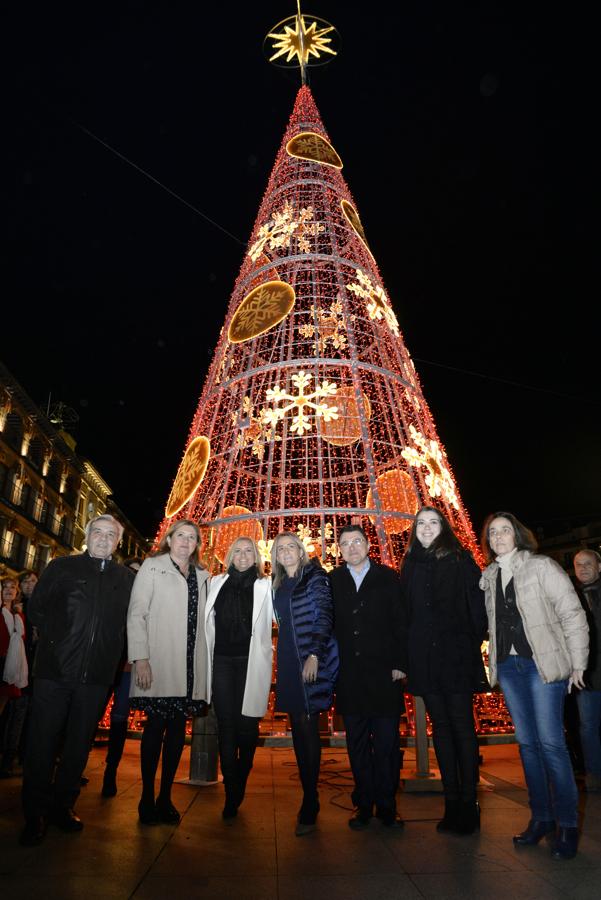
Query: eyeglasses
pixel 355 542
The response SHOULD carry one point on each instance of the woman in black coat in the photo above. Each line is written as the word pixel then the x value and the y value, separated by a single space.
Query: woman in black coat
pixel 446 623
pixel 307 659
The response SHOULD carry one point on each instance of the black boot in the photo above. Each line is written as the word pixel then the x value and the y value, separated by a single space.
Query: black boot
pixel 243 770
pixel 537 829
pixel 230 810
pixel 117 736
pixel 469 817
pixel 565 845
pixel 452 810
pixel 244 763
pixel 307 816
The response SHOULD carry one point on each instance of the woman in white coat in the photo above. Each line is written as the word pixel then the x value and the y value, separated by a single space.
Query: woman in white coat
pixel 238 621
pixel 166 644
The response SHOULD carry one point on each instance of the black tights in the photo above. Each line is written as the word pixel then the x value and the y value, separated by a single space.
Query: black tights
pixel 307 749
pixel 238 734
pixel 455 743
pixel 170 735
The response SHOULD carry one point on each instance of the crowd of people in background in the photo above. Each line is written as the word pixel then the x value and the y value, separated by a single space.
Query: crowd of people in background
pixel 163 636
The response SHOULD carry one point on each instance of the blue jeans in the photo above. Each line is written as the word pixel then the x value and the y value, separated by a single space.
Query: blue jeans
pixel 589 710
pixel 537 712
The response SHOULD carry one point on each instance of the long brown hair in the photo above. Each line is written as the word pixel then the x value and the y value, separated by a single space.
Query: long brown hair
pixel 164 544
pixel 444 543
pixel 524 538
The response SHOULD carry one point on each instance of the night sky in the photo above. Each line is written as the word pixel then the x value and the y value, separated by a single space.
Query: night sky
pixel 455 122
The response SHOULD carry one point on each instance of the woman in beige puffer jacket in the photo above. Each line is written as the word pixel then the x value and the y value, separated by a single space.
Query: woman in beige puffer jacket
pixel 538 650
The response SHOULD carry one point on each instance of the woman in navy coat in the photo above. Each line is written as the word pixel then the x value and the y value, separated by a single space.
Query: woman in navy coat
pixel 307 659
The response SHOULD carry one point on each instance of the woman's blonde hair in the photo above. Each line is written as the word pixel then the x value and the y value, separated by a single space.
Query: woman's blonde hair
pixel 258 558
pixel 278 572
pixel 164 543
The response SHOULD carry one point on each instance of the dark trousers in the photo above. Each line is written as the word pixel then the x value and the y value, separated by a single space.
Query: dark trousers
pixel 455 743
pixel 238 734
pixel 374 751
pixel 58 711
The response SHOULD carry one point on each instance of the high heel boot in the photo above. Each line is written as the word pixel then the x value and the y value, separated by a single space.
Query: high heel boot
pixel 452 810
pixel 469 817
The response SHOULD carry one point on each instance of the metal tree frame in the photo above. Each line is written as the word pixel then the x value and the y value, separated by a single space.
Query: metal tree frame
pixel 312 407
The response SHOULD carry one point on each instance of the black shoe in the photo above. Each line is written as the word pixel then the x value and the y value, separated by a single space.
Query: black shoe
pixel 34 832
pixel 565 845
pixel 534 833
pixel 167 813
pixel 147 813
pixel 109 783
pixel 361 819
pixel 66 819
pixel 391 819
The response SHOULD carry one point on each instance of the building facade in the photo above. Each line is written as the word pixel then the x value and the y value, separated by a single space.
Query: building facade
pixel 48 493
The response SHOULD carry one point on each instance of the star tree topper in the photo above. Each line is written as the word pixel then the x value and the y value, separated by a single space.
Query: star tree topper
pixel 300 43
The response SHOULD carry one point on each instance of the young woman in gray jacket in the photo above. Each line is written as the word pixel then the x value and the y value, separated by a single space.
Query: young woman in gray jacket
pixel 538 651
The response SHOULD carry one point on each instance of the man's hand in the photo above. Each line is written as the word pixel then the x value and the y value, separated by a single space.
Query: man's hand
pixel 397 675
pixel 310 668
pixel 143 674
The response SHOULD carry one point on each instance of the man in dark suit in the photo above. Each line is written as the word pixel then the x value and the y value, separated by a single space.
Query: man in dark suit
pixel 79 608
pixel 368 627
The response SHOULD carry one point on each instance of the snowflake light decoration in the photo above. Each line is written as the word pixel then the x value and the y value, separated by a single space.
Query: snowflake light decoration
pixel 378 304
pixel 300 422
pixel 284 223
pixel 330 325
pixel 427 453
pixel 321 545
pixel 252 430
pixel 265 550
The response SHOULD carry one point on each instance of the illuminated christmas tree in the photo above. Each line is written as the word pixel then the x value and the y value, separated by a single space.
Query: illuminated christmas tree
pixel 312 415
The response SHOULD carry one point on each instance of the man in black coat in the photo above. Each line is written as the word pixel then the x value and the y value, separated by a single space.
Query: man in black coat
pixel 368 627
pixel 79 608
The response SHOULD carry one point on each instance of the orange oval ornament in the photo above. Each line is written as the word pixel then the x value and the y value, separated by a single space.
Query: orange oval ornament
pixel 226 533
pixel 397 494
pixel 189 475
pixel 346 429
pixel 263 308
pixel 314 147
pixel 352 217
